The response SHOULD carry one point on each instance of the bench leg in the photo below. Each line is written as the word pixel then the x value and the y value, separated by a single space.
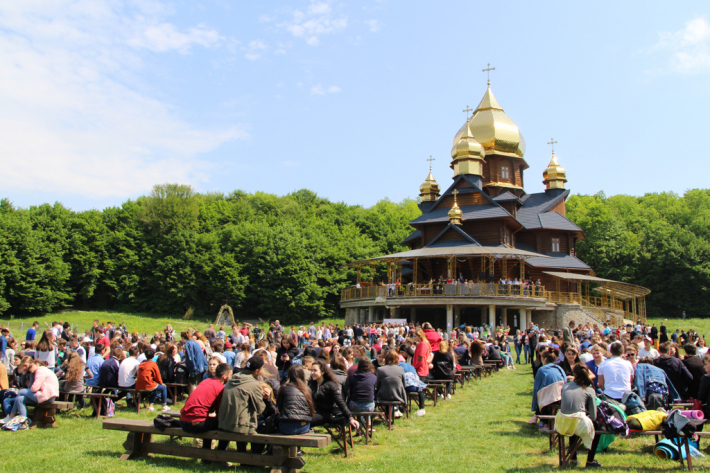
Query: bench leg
pixel 133 445
pixel 44 418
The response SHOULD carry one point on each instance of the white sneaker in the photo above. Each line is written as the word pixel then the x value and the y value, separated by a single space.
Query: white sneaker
pixel 6 420
pixel 421 412
pixel 151 408
pixel 398 414
pixel 166 408
pixel 448 396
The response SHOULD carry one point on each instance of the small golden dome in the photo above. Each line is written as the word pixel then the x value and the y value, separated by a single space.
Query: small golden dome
pixel 492 128
pixel 467 146
pixel 455 213
pixel 429 190
pixel 554 176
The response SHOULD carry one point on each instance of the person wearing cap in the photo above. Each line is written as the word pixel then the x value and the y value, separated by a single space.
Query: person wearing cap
pixel 648 351
pixel 243 400
pixel 228 353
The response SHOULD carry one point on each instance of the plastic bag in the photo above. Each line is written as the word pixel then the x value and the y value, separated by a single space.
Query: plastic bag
pixel 17 423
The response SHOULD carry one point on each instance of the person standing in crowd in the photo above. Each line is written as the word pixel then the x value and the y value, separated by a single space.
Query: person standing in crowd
pixel 32 332
pixel 696 367
pixel 195 361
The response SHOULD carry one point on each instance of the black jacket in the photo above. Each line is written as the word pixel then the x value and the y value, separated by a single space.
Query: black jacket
pixel 328 400
pixel 677 373
pixel 697 369
pixel 293 405
pixel 167 369
pixel 291 352
pixel 443 366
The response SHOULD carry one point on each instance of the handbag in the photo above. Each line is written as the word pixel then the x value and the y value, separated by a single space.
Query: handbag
pixel 269 426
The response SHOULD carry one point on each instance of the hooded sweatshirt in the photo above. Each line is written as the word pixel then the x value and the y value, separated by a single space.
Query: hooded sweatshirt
pixel 433 337
pixel 242 402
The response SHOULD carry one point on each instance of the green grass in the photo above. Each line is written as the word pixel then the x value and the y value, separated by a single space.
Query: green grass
pixel 148 323
pixel 483 428
pixel 702 326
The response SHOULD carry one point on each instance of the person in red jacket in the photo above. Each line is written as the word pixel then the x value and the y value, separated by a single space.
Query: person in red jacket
pixel 148 379
pixel 205 400
pixel 432 336
pixel 422 355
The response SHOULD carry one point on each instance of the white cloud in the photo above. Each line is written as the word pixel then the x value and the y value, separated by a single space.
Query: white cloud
pixel 689 47
pixel 76 118
pixel 317 20
pixel 255 49
pixel 373 24
pixel 320 90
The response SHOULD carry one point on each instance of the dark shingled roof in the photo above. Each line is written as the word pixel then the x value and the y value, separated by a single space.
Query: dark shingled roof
pixel 556 221
pixel 536 204
pixel 415 234
pixel 558 260
pixel 468 239
pixel 470 212
pixel 507 196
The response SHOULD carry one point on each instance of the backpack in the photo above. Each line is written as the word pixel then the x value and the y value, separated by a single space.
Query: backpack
pixel 17 423
pixel 611 420
pixel 110 408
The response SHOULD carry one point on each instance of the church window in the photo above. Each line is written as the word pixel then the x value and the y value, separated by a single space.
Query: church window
pixel 555 245
pixel 505 172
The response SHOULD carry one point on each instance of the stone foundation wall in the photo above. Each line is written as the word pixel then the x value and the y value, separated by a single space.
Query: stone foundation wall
pixel 560 317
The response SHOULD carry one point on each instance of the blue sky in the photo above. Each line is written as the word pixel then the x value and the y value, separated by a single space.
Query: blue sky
pixel 102 99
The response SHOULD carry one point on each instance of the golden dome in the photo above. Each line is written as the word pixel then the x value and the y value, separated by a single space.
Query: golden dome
pixel 455 213
pixel 554 176
pixel 492 128
pixel 429 190
pixel 467 146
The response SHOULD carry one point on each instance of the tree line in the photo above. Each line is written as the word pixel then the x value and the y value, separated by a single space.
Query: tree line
pixel 283 256
pixel 175 250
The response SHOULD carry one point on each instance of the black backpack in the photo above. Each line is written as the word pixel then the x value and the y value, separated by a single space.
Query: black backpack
pixel 181 374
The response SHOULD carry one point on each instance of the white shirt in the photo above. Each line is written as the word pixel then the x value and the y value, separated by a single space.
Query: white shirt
pixel 702 351
pixel 47 356
pixel 652 353
pixel 617 376
pixel 127 371
pixel 586 357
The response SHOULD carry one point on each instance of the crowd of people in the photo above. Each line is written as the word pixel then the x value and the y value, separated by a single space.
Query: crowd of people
pixel 302 378
pixel 632 366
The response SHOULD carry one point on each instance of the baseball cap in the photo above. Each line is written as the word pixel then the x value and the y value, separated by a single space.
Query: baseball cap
pixel 228 344
pixel 254 363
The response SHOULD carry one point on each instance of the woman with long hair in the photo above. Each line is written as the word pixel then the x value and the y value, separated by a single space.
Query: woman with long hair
pixel 75 372
pixel 444 366
pixel 570 360
pixel 477 350
pixel 167 363
pixel 285 355
pixel 327 398
pixel 579 401
pixel 422 354
pixel 46 350
pixel 295 403
pixel 44 388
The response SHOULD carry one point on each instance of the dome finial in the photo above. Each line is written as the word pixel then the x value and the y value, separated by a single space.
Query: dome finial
pixel 488 70
pixel 429 190
pixel 555 175
pixel 466 111
pixel 455 213
pixel 552 143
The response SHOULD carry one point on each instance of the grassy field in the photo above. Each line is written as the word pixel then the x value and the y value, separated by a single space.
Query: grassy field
pixel 702 326
pixel 148 323
pixel 483 428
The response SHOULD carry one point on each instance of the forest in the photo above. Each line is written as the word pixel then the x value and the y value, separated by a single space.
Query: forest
pixel 176 250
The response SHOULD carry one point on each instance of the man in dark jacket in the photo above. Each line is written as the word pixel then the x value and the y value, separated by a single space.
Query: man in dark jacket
pixel 675 369
pixel 696 367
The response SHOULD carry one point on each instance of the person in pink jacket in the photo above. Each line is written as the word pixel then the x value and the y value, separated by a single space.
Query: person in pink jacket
pixel 45 388
pixel 432 336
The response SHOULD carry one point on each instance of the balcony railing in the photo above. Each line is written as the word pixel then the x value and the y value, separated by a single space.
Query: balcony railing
pixel 443 290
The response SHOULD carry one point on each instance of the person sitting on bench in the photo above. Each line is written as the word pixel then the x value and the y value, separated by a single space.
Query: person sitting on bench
pixel 616 375
pixel 243 400
pixel 327 397
pixel 295 404
pixel 391 380
pixel 580 401
pixel 75 370
pixel 205 400
pixel 45 388
pixel 444 366
pixel 148 379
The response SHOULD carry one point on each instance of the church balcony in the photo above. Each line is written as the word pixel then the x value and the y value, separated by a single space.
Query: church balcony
pixel 443 291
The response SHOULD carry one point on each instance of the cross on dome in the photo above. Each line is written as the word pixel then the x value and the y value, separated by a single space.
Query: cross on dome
pixel 552 143
pixel 466 111
pixel 488 70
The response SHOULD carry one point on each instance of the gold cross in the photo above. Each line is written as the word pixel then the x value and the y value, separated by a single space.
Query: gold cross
pixel 430 160
pixel 488 70
pixel 455 193
pixel 552 143
pixel 466 111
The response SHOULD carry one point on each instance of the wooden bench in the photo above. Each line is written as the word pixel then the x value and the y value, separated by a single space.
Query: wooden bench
pixel 388 409
pixel 138 396
pixel 96 399
pixel 44 414
pixel 284 448
pixel 367 428
pixel 173 388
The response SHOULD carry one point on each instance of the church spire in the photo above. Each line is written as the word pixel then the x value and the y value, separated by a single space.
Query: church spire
pixel 554 176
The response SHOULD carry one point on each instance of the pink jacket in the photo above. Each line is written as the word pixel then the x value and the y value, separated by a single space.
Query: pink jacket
pixel 46 385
